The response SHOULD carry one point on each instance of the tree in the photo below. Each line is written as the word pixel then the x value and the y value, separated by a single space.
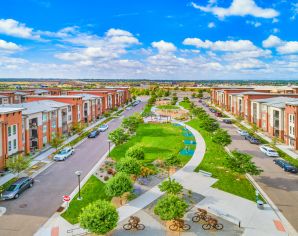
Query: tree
pixel 129 166
pixel 172 160
pixel 170 186
pixel 118 185
pixel 99 217
pixel 186 99
pixel 56 141
pixel 193 95
pixel 136 152
pixel 77 128
pixel 17 164
pixel 200 94
pixel 241 163
pixel 209 124
pixel 131 123
pixel 118 136
pixel 174 100
pixel 221 137
pixel 167 93
pixel 170 207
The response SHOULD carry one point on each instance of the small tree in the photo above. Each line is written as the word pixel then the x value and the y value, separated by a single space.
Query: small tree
pixel 99 217
pixel 17 164
pixel 174 100
pixel 209 124
pixel 118 136
pixel 56 141
pixel 186 99
pixel 118 185
pixel 170 207
pixel 193 95
pixel 172 160
pixel 77 127
pixel 221 137
pixel 136 152
pixel 131 123
pixel 129 166
pixel 170 186
pixel 241 163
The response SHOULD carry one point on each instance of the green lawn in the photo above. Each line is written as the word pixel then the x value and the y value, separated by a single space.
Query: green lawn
pixel 185 104
pixel 93 190
pixel 214 162
pixel 157 140
pixel 167 107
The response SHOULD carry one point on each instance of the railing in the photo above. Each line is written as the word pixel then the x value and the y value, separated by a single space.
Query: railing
pixel 74 232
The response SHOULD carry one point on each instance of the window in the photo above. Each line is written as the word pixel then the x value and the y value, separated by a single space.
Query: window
pixel 9 146
pixel 14 144
pixel 44 129
pixel 9 131
pixel 54 125
pixel 69 108
pixel 14 129
pixel 44 117
pixel 69 117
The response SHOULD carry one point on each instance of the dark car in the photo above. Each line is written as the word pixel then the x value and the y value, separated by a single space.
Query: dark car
pixel 212 110
pixel 19 186
pixel 286 166
pixel 227 121
pixel 93 134
pixel 200 101
pixel 252 139
pixel 218 114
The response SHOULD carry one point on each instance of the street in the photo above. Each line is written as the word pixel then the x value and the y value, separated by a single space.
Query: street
pixel 27 213
pixel 280 186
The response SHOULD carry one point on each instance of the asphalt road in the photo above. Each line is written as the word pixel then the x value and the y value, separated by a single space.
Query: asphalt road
pixel 280 186
pixel 32 209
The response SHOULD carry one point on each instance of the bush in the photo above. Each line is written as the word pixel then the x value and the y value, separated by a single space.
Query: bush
pixel 221 137
pixel 172 160
pixel 129 166
pixel 136 152
pixel 170 207
pixel 209 124
pixel 170 186
pixel 131 123
pixel 99 217
pixel 118 185
pixel 145 171
pixel 118 136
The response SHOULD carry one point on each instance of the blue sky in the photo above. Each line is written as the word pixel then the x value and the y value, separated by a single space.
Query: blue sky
pixel 169 39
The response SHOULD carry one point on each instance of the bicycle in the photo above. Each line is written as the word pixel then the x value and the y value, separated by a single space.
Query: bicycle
pixel 212 223
pixel 201 214
pixel 134 223
pixel 179 224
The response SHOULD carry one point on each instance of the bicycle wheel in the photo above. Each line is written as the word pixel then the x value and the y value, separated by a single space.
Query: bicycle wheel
pixel 186 227
pixel 127 226
pixel 173 227
pixel 206 226
pixel 140 227
pixel 196 219
pixel 219 226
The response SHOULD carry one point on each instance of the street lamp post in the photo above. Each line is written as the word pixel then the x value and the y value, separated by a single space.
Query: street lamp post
pixel 109 147
pixel 78 173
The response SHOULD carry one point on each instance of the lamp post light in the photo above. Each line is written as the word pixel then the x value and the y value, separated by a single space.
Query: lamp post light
pixel 78 173
pixel 109 147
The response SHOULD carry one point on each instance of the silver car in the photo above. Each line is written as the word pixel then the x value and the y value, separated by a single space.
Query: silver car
pixel 64 154
pixel 19 186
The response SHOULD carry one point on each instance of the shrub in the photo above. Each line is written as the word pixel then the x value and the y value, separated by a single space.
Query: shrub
pixel 170 207
pixel 131 123
pixel 170 186
pixel 106 178
pixel 17 164
pixel 129 166
pixel 221 137
pixel 136 152
pixel 118 185
pixel 118 136
pixel 145 171
pixel 209 124
pixel 99 217
pixel 172 160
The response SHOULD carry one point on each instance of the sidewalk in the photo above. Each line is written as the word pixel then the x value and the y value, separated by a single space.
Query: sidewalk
pixel 43 156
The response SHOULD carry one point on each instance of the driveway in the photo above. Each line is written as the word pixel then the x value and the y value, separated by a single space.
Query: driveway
pixel 280 186
pixel 26 214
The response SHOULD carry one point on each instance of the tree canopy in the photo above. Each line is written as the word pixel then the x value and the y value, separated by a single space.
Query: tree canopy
pixel 221 137
pixel 129 166
pixel 118 185
pixel 170 186
pixel 118 136
pixel 136 152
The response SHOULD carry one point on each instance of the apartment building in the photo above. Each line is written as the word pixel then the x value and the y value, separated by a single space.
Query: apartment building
pixel 14 97
pixel 10 133
pixel 75 101
pixel 4 99
pixel 92 106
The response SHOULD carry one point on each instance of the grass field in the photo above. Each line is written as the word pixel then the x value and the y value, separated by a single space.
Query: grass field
pixel 167 107
pixel 157 140
pixel 215 163
pixel 185 104
pixel 93 190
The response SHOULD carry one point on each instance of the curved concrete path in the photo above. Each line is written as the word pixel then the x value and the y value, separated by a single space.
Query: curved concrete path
pixel 181 175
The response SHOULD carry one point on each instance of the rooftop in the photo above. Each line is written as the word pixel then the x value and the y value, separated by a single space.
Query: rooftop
pixel 87 96
pixel 279 102
pixel 6 110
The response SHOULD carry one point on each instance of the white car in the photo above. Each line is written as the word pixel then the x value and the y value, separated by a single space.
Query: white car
pixel 64 154
pixel 128 108
pixel 242 132
pixel 103 128
pixel 268 151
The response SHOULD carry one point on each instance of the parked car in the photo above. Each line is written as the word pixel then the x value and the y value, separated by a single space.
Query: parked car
pixel 64 154
pixel 200 100
pixel 103 128
pixel 227 121
pixel 94 134
pixel 268 151
pixel 218 114
pixel 286 166
pixel 212 110
pixel 15 189
pixel 128 108
pixel 136 103
pixel 252 139
pixel 242 132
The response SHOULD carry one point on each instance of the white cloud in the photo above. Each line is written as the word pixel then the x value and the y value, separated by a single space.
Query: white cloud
pixel 230 45
pixel 272 41
pixel 239 8
pixel 253 23
pixel 14 28
pixel 117 32
pixel 164 47
pixel 283 47
pixel 8 46
pixel 211 25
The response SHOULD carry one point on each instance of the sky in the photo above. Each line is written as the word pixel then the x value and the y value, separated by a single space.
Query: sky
pixel 165 39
